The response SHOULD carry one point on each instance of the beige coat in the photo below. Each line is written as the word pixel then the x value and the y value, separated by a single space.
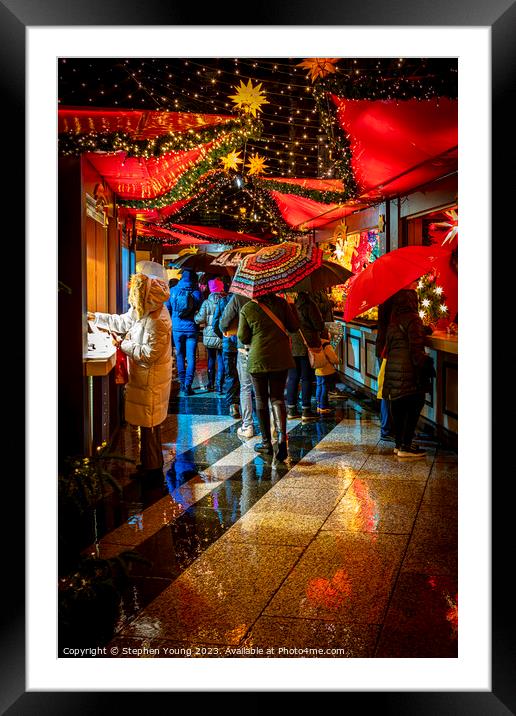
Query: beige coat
pixel 147 343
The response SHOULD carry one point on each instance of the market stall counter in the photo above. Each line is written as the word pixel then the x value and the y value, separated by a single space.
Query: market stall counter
pixel 101 355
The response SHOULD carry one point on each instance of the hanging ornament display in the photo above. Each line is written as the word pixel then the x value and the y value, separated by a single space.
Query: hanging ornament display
pixel 319 66
pixel 256 164
pixel 432 301
pixel 231 161
pixel 248 98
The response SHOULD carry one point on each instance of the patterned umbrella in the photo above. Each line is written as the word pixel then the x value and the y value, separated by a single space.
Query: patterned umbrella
pixel 275 268
pixel 328 274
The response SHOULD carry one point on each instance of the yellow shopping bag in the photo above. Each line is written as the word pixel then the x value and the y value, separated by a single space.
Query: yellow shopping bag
pixel 381 376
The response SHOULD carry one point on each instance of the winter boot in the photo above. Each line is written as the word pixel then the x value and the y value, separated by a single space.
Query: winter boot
pixel 264 419
pixel 307 415
pixel 293 412
pixel 280 418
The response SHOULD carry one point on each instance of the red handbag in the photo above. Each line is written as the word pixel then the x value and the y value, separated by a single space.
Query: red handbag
pixel 121 372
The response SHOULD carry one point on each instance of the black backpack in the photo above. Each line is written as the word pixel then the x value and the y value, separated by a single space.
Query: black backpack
pixel 184 304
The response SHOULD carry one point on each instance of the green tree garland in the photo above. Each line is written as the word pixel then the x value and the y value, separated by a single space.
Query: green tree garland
pixel 186 184
pixel 324 197
pixel 73 144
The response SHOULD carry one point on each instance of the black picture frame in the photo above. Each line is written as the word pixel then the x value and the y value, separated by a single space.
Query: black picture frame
pixel 500 16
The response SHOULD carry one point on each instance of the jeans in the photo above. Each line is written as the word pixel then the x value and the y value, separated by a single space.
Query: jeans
pixel 269 386
pixel 304 372
pixel 385 415
pixel 246 390
pixel 215 366
pixel 405 414
pixel 321 392
pixel 231 386
pixel 186 345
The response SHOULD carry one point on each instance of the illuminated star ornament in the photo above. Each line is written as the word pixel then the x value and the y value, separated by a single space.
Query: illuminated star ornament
pixel 249 98
pixel 231 161
pixel 452 225
pixel 256 164
pixel 319 66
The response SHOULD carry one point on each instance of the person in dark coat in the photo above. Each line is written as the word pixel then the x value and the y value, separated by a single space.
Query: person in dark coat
pixel 311 326
pixel 269 360
pixel 324 305
pixel 407 374
pixel 183 303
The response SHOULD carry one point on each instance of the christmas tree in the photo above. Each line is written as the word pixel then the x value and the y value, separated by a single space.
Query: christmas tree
pixel 432 301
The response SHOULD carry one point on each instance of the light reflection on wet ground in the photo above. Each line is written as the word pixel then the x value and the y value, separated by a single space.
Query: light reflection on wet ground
pixel 324 551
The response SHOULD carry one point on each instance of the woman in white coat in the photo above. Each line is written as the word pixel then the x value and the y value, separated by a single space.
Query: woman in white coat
pixel 145 337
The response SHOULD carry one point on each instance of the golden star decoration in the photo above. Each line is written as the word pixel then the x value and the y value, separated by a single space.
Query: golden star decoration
pixel 319 66
pixel 231 161
pixel 249 98
pixel 256 164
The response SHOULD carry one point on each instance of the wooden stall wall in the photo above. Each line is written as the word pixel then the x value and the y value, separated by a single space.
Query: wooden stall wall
pixel 102 273
pixel 89 272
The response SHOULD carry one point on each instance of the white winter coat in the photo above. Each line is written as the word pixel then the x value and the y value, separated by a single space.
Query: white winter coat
pixel 147 343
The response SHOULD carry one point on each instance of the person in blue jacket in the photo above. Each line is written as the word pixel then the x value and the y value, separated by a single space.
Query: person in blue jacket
pixel 183 304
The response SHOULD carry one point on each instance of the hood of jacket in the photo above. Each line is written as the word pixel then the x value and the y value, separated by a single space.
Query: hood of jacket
pixel 147 294
pixel 188 280
pixel 405 301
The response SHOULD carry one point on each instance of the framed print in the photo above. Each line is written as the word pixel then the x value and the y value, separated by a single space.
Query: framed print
pixel 106 30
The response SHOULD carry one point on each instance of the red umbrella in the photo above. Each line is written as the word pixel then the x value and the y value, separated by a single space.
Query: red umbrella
pixel 390 273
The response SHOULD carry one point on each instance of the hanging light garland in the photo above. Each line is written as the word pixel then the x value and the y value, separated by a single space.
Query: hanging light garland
pixel 324 197
pixel 241 128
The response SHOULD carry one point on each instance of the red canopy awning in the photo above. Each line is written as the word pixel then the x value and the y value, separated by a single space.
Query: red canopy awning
pixel 138 124
pixel 302 213
pixel 398 145
pixel 156 215
pixel 160 232
pixel 138 178
pixel 220 235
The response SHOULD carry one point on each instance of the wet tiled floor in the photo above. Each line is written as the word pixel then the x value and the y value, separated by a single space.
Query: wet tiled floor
pixel 344 551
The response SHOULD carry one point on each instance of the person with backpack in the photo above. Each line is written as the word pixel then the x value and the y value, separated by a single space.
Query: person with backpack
pixel 184 303
pixel 210 338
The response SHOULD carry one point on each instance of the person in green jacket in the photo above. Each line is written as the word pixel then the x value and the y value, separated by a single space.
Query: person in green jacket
pixel 270 358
